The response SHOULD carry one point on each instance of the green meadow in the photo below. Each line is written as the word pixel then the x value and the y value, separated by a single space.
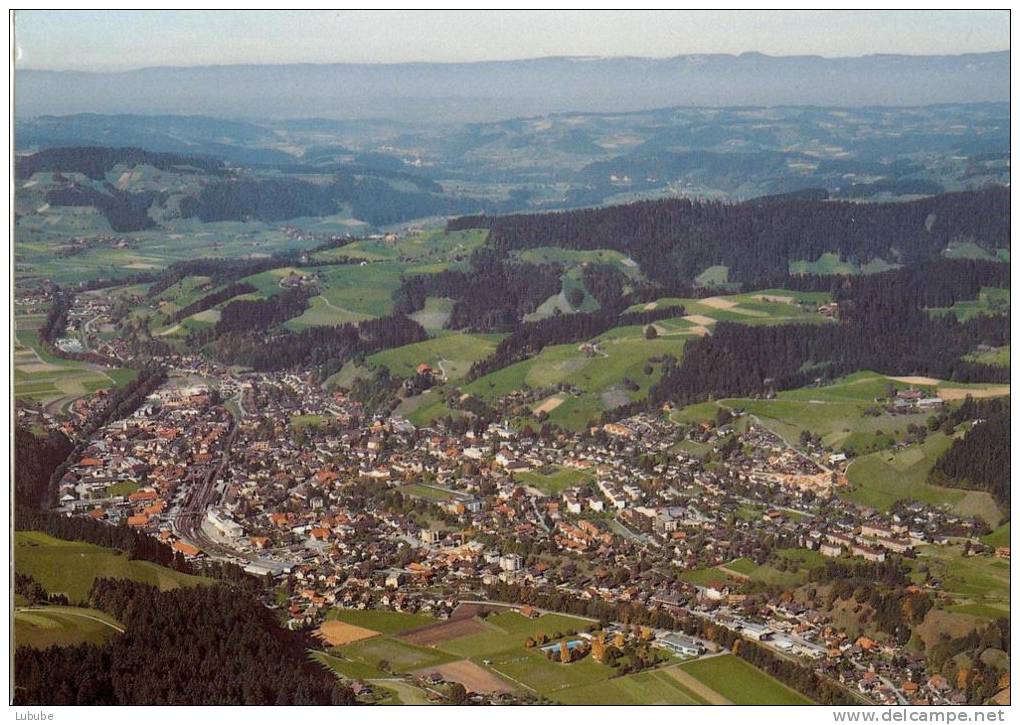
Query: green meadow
pixel 741 683
pixel 70 567
pixel 46 626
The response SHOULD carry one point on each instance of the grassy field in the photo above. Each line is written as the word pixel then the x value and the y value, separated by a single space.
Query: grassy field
pixel 655 687
pixel 40 236
pixel 998 356
pixel 351 669
pixel 709 576
pixel 507 632
pixel 531 669
pixel 321 312
pixel 600 378
pixel 42 627
pixel 383 621
pixel 307 421
pixel 576 257
pixel 999 537
pixel 399 656
pixel 742 684
pixel 423 409
pixel 715 276
pixel 500 649
pixel 435 314
pixel 880 479
pixel 70 567
pixel 428 247
pixel 449 355
pixel 554 483
pixel 793 573
pixel 979 585
pixel 830 263
pixel 122 488
pixel 836 412
pixel 971 250
pixel 990 301
pixel 767 307
pixel 45 378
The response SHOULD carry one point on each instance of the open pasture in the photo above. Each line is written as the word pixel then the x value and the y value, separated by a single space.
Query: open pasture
pixel 655 687
pixel 610 377
pixel 554 482
pixel 42 627
pixel 42 377
pixel 398 656
pixel 449 356
pixel 70 567
pixel 741 683
pixel 767 307
pixel 880 479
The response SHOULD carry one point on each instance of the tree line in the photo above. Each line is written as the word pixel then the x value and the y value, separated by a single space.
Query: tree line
pixel 96 161
pixel 35 459
pixel 137 544
pixel 884 325
pixel 675 239
pixel 211 645
pixel 794 674
pixel 126 212
pixel 211 300
pixel 493 294
pixel 980 460
pixel 246 316
pixel 323 348
pixel 120 403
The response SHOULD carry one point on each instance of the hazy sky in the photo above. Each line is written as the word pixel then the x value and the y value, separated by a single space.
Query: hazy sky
pixel 112 40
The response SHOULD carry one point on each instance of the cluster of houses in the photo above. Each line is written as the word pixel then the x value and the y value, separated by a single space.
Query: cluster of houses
pixel 348 509
pixel 139 470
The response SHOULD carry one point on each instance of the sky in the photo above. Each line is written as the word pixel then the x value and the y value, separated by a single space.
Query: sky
pixel 119 40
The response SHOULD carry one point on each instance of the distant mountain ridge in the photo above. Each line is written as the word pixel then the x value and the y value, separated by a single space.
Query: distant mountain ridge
pixel 503 89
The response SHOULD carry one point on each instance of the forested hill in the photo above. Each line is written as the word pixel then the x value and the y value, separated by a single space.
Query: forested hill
pixel 884 325
pixel 678 239
pixel 95 161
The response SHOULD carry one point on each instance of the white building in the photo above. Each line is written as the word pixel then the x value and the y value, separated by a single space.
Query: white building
pixel 510 562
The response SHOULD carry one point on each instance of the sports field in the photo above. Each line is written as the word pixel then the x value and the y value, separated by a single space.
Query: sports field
pixel 334 633
pixel 398 656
